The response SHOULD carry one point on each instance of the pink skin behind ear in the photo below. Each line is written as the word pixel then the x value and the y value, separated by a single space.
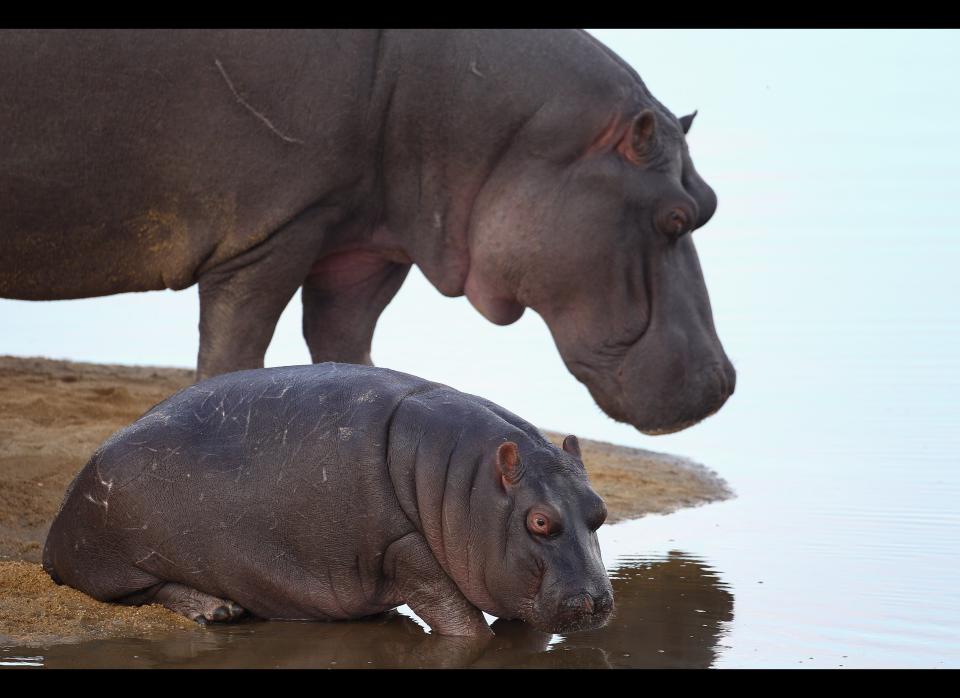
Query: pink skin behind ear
pixel 508 463
pixel 636 141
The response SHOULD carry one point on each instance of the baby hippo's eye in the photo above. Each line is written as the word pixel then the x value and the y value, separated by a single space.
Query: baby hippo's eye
pixel 539 523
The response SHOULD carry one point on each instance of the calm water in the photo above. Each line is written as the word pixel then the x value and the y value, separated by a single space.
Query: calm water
pixel 829 557
pixel 834 270
pixel 840 550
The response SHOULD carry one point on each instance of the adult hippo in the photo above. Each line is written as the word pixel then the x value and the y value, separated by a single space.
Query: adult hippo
pixel 521 168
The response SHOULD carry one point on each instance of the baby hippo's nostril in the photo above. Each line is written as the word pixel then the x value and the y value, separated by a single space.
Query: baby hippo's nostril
pixel 579 603
pixel 603 603
pixel 587 604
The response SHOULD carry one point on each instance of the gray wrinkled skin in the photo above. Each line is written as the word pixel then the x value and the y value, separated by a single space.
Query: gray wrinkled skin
pixel 332 492
pixel 523 169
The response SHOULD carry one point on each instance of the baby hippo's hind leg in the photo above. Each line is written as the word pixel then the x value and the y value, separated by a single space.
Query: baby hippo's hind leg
pixel 195 605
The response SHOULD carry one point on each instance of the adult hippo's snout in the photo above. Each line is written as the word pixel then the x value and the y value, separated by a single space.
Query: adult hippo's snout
pixel 703 394
pixel 677 374
pixel 671 379
pixel 659 395
pixel 669 371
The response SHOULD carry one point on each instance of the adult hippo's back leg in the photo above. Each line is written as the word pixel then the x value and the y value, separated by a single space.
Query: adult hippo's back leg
pixel 342 300
pixel 241 299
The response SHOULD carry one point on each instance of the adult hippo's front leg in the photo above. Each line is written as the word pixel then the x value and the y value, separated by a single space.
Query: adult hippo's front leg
pixel 342 301
pixel 242 299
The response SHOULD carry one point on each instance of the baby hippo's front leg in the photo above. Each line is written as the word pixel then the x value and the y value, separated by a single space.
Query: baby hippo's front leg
pixel 430 592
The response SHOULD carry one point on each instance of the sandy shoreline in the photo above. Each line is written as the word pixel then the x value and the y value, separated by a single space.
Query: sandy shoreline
pixel 53 414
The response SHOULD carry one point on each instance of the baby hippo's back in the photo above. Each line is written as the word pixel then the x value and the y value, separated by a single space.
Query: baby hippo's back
pixel 267 487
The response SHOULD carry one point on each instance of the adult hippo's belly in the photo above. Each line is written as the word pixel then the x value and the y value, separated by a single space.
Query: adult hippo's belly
pixel 523 169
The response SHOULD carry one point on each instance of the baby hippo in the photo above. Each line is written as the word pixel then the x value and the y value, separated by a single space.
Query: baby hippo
pixel 331 492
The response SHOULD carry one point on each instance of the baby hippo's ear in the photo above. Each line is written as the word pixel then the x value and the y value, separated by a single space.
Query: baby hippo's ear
pixel 508 464
pixel 572 446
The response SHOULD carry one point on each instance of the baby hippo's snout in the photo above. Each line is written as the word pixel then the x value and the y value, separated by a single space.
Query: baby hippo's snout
pixel 585 611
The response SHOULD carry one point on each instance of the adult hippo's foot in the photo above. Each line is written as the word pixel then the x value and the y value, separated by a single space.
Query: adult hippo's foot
pixel 196 605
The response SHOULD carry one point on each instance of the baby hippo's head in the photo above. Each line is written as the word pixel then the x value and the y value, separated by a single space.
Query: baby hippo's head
pixel 542 563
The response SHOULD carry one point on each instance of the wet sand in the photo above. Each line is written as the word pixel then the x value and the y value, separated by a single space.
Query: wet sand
pixel 53 414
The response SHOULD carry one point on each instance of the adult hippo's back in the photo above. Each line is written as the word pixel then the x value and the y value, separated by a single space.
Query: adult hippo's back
pixel 521 168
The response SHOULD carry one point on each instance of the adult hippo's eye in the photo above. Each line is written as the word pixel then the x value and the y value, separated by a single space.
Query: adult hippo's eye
pixel 540 524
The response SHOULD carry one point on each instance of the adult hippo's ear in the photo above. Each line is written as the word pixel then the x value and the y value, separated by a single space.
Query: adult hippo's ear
pixel 687 121
pixel 509 466
pixel 639 142
pixel 572 446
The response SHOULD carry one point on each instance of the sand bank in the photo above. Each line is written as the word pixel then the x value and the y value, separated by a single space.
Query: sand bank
pixel 53 414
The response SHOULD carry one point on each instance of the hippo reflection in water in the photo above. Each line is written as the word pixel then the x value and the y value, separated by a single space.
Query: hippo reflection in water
pixel 670 614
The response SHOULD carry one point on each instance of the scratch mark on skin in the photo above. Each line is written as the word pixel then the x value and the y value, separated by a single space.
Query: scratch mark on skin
pixel 151 554
pixel 171 453
pixel 246 104
pixel 105 504
pixel 246 429
pixel 208 394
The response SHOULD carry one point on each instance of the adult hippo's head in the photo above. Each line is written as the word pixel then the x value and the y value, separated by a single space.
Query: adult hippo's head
pixel 592 231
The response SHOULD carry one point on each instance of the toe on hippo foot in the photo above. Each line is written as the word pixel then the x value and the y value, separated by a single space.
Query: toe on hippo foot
pixel 224 612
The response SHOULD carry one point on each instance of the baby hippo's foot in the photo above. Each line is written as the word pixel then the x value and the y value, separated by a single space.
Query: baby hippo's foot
pixel 196 605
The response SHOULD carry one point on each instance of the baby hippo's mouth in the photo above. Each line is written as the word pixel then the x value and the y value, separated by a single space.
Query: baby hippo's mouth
pixel 581 612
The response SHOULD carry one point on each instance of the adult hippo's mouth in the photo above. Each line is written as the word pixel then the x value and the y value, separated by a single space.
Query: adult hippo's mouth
pixel 654 390
pixel 726 389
